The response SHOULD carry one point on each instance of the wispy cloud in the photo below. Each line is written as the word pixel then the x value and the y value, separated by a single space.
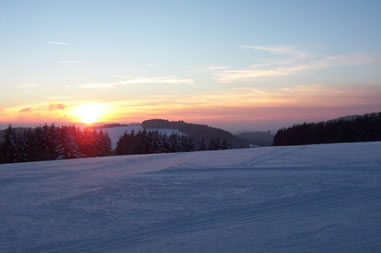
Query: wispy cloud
pixel 233 104
pixel 59 43
pixel 28 109
pixel 53 107
pixel 157 80
pixel 275 69
pixel 280 50
pixel 68 62
pixel 98 85
pixel 139 80
pixel 357 58
pixel 249 74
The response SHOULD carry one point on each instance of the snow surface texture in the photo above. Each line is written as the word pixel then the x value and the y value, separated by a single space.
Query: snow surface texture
pixel 116 132
pixel 316 198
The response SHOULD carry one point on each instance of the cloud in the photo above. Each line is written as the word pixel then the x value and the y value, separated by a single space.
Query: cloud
pixel 59 43
pixel 69 62
pixel 139 80
pixel 98 85
pixel 357 58
pixel 285 68
pixel 291 104
pixel 157 80
pixel 53 107
pixel 297 96
pixel 280 50
pixel 27 109
pixel 255 72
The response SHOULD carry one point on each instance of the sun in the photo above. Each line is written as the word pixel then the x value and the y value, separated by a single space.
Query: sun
pixel 88 113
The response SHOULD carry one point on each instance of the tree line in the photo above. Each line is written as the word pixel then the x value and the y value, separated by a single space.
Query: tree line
pixel 66 142
pixel 359 129
pixel 197 131
pixel 150 142
pixel 51 143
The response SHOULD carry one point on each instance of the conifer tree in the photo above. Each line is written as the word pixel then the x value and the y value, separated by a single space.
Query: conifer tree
pixel 67 148
pixel 32 154
pixel 103 144
pixel 10 145
pixel 22 148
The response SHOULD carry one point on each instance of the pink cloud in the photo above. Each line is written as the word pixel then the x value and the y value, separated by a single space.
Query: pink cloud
pixel 53 107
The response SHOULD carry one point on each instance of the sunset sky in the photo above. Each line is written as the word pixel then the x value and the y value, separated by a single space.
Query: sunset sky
pixel 232 64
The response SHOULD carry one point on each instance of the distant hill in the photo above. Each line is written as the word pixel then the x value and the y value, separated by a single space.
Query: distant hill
pixel 197 131
pixel 111 125
pixel 350 117
pixel 115 131
pixel 353 117
pixel 257 138
pixel 345 129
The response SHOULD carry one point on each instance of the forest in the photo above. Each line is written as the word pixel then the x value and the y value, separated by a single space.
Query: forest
pixel 67 142
pixel 150 142
pixel 358 129
pixel 53 143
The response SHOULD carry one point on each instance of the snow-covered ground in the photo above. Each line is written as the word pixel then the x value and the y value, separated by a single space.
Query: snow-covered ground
pixel 116 132
pixel 316 198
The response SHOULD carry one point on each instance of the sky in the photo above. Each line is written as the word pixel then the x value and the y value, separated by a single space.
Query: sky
pixel 238 65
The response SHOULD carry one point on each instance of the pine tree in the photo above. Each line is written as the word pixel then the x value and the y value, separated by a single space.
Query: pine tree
pixel 107 144
pixel 164 143
pixel 173 143
pixel 224 144
pixel 202 145
pixel 67 148
pixel 32 154
pixel 22 148
pixel 10 145
pixel 103 144
pixel 53 141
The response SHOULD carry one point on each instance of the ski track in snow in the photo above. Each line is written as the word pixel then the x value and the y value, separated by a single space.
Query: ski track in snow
pixel 315 198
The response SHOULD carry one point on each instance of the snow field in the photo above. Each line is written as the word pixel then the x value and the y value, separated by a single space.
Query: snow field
pixel 315 198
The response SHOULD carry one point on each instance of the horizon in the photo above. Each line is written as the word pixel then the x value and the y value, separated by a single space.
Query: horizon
pixel 233 131
pixel 240 66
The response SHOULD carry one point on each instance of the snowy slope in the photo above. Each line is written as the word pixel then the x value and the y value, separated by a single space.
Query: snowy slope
pixel 116 132
pixel 316 198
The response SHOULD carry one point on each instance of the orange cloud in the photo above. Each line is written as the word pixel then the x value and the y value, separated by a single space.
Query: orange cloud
pixel 53 107
pixel 250 105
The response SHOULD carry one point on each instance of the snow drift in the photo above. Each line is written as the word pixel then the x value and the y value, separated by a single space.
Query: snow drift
pixel 316 198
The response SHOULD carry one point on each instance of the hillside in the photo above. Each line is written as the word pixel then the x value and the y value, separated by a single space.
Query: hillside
pixel 197 131
pixel 115 131
pixel 345 129
pixel 316 198
pixel 257 138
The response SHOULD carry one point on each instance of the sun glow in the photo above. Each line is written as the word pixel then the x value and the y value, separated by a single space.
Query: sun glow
pixel 89 113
